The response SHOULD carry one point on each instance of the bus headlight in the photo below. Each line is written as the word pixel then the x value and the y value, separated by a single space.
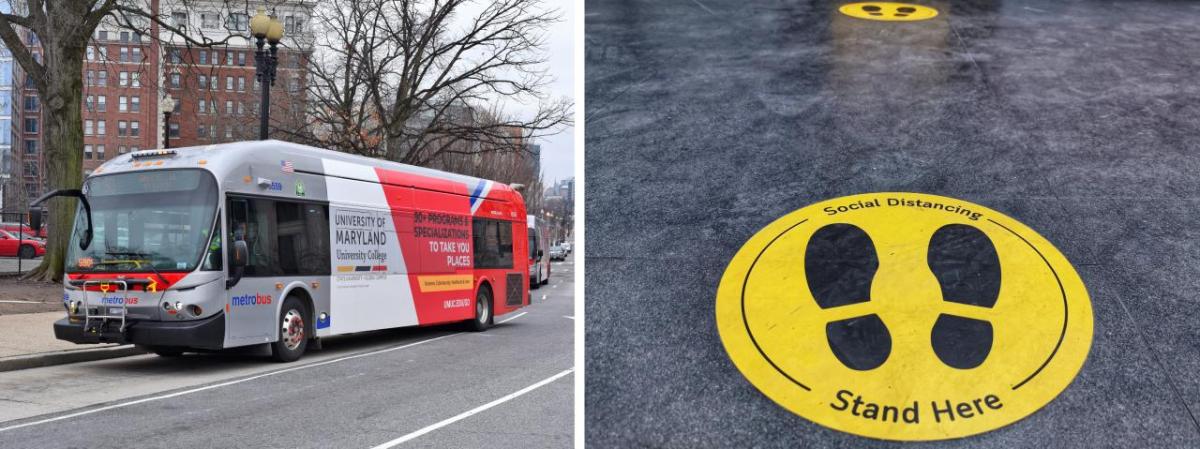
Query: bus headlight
pixel 73 308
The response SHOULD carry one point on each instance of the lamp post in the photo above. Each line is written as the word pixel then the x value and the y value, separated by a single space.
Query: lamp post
pixel 167 106
pixel 266 28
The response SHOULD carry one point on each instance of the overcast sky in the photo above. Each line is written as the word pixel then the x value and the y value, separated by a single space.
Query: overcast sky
pixel 558 151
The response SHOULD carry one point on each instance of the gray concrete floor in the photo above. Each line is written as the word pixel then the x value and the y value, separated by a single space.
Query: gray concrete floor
pixel 708 119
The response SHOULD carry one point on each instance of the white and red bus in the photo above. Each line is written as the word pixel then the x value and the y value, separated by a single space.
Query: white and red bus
pixel 277 243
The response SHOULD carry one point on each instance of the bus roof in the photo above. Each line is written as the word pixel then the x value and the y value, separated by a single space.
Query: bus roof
pixel 232 159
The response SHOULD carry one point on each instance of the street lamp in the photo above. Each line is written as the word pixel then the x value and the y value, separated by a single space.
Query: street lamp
pixel 167 106
pixel 267 28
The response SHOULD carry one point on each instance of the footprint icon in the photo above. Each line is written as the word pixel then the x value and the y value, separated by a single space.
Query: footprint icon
pixel 965 263
pixel 840 263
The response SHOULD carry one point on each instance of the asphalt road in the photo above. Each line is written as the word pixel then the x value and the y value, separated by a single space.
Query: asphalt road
pixel 709 119
pixel 511 386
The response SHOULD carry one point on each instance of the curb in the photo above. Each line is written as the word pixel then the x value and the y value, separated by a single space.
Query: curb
pixel 19 362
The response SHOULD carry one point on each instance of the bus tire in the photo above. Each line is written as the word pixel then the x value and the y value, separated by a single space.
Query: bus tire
pixel 27 252
pixel 293 331
pixel 483 311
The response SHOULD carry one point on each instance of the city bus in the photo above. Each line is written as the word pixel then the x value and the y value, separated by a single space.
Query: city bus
pixel 279 244
pixel 539 259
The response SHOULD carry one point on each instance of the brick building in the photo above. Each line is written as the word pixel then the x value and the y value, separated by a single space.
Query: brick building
pixel 127 74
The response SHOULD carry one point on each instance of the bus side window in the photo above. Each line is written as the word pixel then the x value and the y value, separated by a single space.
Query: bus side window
pixel 493 243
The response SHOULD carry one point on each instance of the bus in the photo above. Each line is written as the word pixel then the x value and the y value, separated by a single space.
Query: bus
pixel 279 244
pixel 539 258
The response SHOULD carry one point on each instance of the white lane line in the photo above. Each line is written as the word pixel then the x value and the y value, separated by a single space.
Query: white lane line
pixel 568 317
pixel 223 384
pixel 469 413
pixel 17 301
pixel 511 318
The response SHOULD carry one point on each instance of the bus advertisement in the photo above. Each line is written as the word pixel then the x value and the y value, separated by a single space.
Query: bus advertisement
pixel 221 246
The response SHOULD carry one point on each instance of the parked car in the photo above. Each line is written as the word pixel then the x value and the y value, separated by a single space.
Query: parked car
pixel 11 246
pixel 557 253
pixel 25 230
pixel 566 247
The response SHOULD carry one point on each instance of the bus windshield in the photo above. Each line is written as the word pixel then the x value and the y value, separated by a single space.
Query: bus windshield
pixel 148 221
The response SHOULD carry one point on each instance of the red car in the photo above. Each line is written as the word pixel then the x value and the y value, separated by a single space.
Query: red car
pixel 11 246
pixel 13 228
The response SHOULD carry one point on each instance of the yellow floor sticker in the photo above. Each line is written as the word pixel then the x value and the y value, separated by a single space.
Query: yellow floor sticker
pixel 888 11
pixel 904 316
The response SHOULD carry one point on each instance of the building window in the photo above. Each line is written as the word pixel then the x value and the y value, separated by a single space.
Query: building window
pixel 90 103
pixel 124 54
pixel 241 58
pixel 212 82
pixel 216 57
pixel 101 103
pixel 229 107
pixel 202 131
pixel 241 108
pixel 202 106
pixel 228 131
pixel 31 125
pixel 238 22
pixel 87 151
pixel 102 35
pixel 135 79
pixel 179 19
pixel 122 128
pixel 31 103
pixel 103 53
pixel 293 24
pixel 31 146
pixel 100 152
pixel 173 130
pixel 135 54
pixel 100 128
pixel 175 80
pixel 135 104
pixel 229 57
pixel 241 84
pixel 135 128
pixel 174 56
pixel 202 81
pixel 91 78
pixel 87 127
pixel 124 36
pixel 91 53
pixel 102 78
pixel 31 169
pixel 204 56
pixel 178 107
pixel 123 79
pixel 122 149
pixel 122 104
pixel 209 20
pixel 229 83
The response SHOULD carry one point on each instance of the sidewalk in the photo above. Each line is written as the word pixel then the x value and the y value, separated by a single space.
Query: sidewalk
pixel 29 342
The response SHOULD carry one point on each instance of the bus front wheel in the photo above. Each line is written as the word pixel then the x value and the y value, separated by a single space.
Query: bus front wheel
pixel 483 310
pixel 293 334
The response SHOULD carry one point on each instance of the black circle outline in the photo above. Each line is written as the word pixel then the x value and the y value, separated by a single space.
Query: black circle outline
pixel 754 341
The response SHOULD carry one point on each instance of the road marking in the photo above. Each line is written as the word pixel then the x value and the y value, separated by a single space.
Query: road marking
pixel 511 318
pixel 17 301
pixel 704 7
pixel 471 412
pixel 568 317
pixel 543 297
pixel 223 384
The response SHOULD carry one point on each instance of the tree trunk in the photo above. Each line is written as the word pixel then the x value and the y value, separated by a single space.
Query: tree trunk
pixel 63 103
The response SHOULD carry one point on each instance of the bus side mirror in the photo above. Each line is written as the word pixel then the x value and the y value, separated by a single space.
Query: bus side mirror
pixel 237 263
pixel 86 240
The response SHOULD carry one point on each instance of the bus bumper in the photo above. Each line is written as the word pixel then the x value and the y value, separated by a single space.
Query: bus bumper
pixel 207 333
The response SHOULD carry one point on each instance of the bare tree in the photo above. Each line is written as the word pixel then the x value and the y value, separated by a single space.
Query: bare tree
pixel 63 29
pixel 399 79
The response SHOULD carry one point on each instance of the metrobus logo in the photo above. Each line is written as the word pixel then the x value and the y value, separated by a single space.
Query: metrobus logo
pixel 117 300
pixel 250 300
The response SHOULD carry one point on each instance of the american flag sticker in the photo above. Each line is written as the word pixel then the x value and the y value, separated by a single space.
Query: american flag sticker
pixel 287 167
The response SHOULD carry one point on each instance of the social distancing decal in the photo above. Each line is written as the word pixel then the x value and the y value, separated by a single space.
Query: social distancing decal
pixel 904 316
pixel 888 11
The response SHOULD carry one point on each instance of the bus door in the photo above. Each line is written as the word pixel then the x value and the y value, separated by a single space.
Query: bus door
pixel 287 241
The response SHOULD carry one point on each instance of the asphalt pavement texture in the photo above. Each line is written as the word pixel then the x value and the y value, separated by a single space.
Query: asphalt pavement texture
pixel 708 119
pixel 361 390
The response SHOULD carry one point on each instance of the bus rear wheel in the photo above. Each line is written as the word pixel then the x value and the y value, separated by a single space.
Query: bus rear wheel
pixel 483 310
pixel 293 332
